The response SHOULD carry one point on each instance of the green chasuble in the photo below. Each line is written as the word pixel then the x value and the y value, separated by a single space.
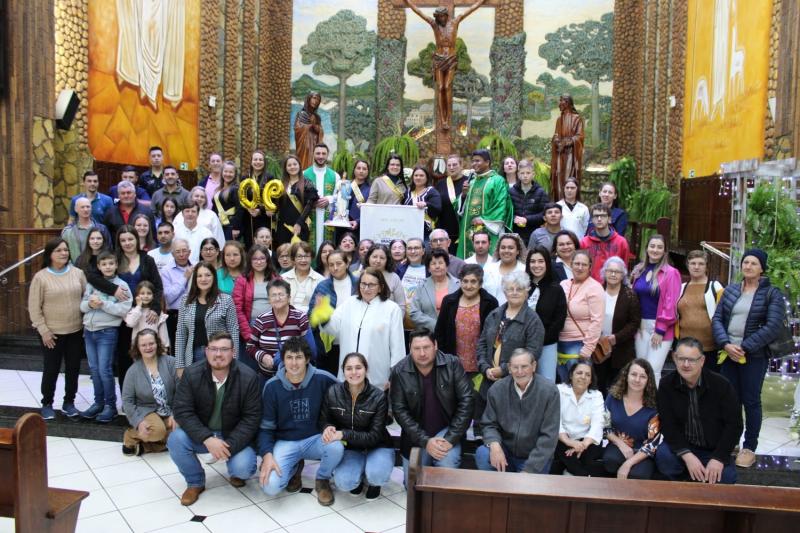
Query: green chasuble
pixel 487 198
pixel 317 231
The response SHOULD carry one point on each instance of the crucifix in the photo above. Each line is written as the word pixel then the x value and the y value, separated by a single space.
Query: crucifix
pixel 444 62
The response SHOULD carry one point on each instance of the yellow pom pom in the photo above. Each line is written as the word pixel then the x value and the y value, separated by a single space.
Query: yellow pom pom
pixel 322 312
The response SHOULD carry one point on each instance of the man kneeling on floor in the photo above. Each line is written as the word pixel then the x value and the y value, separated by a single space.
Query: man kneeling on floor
pixel 521 420
pixel 290 425
pixel 218 408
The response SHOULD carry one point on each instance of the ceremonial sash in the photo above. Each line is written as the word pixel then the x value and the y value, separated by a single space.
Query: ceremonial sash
pixel 393 187
pixel 297 205
pixel 451 190
pixel 357 193
pixel 223 215
pixel 420 198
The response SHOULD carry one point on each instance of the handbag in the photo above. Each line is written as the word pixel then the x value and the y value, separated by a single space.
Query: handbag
pixel 784 344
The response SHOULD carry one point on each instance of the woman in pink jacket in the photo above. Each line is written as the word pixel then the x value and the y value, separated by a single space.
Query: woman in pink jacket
pixel 250 294
pixel 585 307
pixel 658 286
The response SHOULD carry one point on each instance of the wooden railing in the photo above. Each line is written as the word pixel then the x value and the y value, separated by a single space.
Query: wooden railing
pixel 638 231
pixel 17 244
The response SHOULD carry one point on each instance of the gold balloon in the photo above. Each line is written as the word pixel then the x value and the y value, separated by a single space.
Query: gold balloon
pixel 271 192
pixel 251 200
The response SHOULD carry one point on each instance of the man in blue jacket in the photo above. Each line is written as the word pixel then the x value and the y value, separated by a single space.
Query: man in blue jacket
pixel 290 431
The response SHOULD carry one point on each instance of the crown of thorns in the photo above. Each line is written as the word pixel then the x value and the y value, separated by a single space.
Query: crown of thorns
pixel 441 11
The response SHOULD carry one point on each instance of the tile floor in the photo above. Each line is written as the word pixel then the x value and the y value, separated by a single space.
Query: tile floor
pixel 142 493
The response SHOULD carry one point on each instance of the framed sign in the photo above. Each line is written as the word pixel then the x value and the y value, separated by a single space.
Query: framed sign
pixel 384 223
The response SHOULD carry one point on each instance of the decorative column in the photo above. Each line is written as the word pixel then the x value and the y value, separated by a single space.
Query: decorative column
pixel 507 56
pixel 390 62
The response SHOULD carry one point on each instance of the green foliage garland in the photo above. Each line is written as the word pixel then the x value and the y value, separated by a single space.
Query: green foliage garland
pixel 343 162
pixel 649 203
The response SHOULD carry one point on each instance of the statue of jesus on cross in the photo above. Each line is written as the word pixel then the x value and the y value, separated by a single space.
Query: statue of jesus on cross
pixel 445 62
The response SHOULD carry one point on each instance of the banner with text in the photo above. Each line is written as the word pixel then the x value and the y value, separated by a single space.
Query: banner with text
pixel 384 223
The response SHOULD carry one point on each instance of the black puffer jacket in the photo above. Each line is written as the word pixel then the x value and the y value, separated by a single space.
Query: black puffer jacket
pixel 363 424
pixel 453 389
pixel 241 404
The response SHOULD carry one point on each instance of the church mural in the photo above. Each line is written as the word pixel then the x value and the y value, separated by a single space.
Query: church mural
pixel 727 62
pixel 143 80
pixel 567 49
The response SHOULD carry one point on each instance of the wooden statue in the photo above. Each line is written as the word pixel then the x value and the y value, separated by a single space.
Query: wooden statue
pixel 308 130
pixel 567 147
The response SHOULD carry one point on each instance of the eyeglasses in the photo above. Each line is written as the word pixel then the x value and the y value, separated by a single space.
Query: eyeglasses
pixel 299 256
pixel 364 285
pixel 208 249
pixel 218 349
pixel 691 361
pixel 514 290
pixel 614 272
pixel 259 260
pixel 278 296
pixel 440 239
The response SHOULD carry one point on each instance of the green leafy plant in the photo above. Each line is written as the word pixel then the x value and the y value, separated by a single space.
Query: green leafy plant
pixel 343 162
pixel 403 145
pixel 273 165
pixel 541 174
pixel 622 173
pixel 772 224
pixel 648 204
pixel 500 147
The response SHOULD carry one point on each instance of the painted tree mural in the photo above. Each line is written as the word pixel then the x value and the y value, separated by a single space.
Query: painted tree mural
pixel 341 47
pixel 583 50
pixel 470 86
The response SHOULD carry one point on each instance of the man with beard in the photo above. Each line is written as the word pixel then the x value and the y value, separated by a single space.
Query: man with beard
pixel 567 147
pixel 324 179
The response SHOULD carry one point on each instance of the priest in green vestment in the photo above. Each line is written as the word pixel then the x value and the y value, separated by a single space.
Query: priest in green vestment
pixel 324 179
pixel 487 205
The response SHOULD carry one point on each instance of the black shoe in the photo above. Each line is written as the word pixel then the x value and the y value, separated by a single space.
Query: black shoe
pixel 373 492
pixel 356 491
pixel 131 451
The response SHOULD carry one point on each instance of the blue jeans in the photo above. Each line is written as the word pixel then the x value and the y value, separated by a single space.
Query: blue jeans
pixel 101 346
pixel 183 452
pixel 567 347
pixel 451 460
pixel 747 380
pixel 288 453
pixel 546 366
pixel 674 468
pixel 376 464
pixel 515 464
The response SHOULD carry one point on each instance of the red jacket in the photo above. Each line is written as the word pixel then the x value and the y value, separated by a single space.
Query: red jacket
pixel 602 248
pixel 243 301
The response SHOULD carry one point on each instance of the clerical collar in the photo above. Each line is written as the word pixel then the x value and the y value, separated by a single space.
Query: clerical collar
pixel 484 174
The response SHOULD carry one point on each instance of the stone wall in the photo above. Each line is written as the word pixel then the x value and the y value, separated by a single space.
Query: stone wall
pixel 275 92
pixel 507 57
pixel 390 64
pixel 649 68
pixel 42 165
pixel 72 157
pixel 778 142
pixel 509 18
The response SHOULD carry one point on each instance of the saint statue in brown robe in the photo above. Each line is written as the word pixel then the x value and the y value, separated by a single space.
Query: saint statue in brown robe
pixel 567 147
pixel 308 130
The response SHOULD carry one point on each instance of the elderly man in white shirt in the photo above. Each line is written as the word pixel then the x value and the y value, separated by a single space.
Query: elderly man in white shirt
pixel 192 232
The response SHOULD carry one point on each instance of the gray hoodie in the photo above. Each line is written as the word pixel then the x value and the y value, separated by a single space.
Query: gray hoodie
pixel 111 314
pixel 527 426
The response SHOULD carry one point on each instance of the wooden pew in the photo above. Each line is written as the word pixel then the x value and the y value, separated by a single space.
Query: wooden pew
pixel 442 499
pixel 24 494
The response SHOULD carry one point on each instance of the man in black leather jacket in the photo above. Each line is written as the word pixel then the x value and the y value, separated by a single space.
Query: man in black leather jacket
pixel 432 401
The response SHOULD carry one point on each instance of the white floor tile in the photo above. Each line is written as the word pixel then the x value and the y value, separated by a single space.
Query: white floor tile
pixel 245 520
pixel 186 527
pixel 7 525
pixel 331 523
pixel 294 508
pixel 104 523
pixel 254 493
pixel 766 445
pixel 398 529
pixel 772 433
pixel 395 483
pixel 139 492
pixel 777 422
pixel 85 480
pixel 58 448
pixel 345 500
pixel 86 445
pixel 161 462
pixel 398 498
pixel 178 484
pixel 156 515
pixel 787 450
pixel 219 500
pixel 97 503
pixel 65 464
pixel 111 476
pixel 111 455
pixel 377 515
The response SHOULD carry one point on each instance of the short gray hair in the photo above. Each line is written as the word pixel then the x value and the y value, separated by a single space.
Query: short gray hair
pixel 520 279
pixel 124 184
pixel 615 260
pixel 523 351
